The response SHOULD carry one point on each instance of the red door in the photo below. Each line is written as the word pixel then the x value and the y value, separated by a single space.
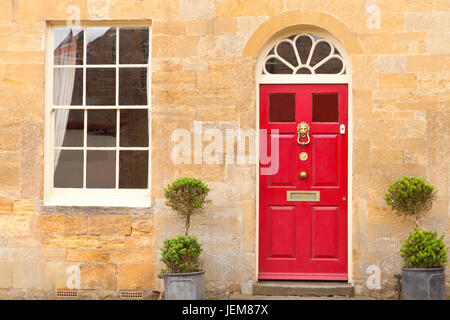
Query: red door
pixel 303 204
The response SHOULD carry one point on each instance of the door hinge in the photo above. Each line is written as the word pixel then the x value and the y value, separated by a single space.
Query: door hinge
pixel 342 129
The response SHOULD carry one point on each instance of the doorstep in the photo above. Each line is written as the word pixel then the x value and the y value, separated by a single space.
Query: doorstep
pixel 303 289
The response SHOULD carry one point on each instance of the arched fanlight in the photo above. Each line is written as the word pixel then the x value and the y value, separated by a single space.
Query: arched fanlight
pixel 304 54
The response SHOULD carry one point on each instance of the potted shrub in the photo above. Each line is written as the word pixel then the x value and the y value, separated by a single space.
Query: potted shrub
pixel 424 254
pixel 183 276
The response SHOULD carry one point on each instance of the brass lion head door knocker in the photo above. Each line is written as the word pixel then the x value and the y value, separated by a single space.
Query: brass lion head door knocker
pixel 302 132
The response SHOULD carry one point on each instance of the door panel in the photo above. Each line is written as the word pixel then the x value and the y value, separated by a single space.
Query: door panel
pixel 324 232
pixel 325 160
pixel 285 177
pixel 303 218
pixel 282 222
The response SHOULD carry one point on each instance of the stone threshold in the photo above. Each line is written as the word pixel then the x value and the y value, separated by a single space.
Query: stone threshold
pixel 303 288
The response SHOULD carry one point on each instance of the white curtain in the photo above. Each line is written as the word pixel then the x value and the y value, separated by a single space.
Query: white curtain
pixel 64 80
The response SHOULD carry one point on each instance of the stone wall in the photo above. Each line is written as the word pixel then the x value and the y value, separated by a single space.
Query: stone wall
pixel 203 59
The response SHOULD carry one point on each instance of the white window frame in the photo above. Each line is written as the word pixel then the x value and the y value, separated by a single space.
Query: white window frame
pixel 113 197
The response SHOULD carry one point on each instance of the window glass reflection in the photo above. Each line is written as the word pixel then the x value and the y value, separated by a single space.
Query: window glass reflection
pixel 101 45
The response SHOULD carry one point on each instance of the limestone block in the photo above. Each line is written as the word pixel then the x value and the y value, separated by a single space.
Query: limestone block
pixel 113 242
pixel 142 225
pixel 52 224
pixel 409 42
pixel 139 242
pixel 409 144
pixel 427 21
pixel 361 162
pixel 197 9
pixel 173 80
pixel 416 128
pixel 362 106
pixel 9 177
pixel 225 26
pixel 397 80
pixel 77 255
pixel 55 275
pixel 434 80
pixel 379 43
pixel 211 46
pixel 166 64
pixel 392 63
pixel 28 74
pixel 160 10
pixel 110 225
pixel 71 242
pixel 173 28
pixel 237 8
pixel 248 226
pixel 206 172
pixel 99 276
pixel 15 225
pixel 9 141
pixel 133 256
pixel 173 113
pixel 172 46
pixel 6 205
pixel 234 45
pixel 6 273
pixel 248 25
pixel 76 224
pixel 240 182
pixel 364 69
pixel 26 274
pixel 200 27
pixel 194 64
pixel 218 113
pixel 53 254
pixel 387 156
pixel 132 276
pixel 427 63
pixel 438 42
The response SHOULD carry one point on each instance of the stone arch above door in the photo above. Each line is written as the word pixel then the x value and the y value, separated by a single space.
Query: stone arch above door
pixel 296 18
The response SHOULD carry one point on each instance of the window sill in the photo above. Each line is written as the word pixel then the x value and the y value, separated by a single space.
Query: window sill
pixel 138 198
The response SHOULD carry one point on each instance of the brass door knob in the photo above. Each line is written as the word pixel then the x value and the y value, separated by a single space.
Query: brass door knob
pixel 303 175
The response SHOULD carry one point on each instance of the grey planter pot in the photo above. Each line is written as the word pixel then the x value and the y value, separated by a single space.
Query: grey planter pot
pixel 184 286
pixel 423 283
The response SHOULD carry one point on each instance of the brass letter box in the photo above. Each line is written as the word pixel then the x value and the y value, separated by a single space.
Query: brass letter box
pixel 303 196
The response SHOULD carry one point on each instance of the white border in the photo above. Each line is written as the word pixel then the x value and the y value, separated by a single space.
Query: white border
pixel 91 197
pixel 309 79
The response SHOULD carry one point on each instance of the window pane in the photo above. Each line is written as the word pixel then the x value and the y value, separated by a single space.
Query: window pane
pixel 101 45
pixel 69 169
pixel 332 66
pixel 69 126
pixel 303 45
pixel 101 87
pixel 68 86
pixel 286 51
pixel 101 169
pixel 325 107
pixel 133 128
pixel 101 128
pixel 133 169
pixel 133 86
pixel 321 51
pixel 275 66
pixel 68 46
pixel 282 107
pixel 133 45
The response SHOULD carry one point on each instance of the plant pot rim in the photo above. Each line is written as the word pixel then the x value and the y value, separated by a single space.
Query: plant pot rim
pixel 182 274
pixel 423 269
